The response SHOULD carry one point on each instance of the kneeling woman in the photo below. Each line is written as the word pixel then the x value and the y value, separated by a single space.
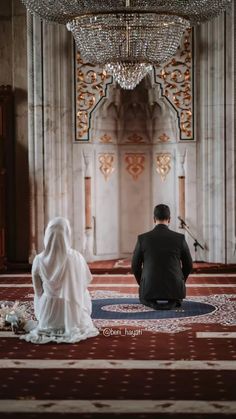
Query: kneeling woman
pixel 62 302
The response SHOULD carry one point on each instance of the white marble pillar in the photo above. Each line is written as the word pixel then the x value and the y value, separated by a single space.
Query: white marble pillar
pixel 58 127
pixel 50 86
pixel 35 134
pixel 230 136
pixel 215 141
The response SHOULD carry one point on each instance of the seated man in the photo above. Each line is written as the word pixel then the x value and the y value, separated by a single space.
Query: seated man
pixel 161 263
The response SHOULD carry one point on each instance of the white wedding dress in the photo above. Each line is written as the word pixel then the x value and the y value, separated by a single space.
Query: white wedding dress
pixel 62 302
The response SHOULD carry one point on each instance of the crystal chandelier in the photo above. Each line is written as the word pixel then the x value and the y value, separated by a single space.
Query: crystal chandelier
pixel 127 37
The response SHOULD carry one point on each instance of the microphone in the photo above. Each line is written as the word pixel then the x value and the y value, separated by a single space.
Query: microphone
pixel 186 227
pixel 183 223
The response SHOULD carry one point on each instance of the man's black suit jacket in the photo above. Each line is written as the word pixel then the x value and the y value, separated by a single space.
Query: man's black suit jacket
pixel 161 264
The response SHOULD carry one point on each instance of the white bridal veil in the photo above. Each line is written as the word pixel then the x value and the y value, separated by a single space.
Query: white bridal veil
pixel 57 243
pixel 60 277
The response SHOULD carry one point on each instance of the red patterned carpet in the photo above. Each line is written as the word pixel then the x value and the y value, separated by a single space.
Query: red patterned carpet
pixel 123 266
pixel 182 366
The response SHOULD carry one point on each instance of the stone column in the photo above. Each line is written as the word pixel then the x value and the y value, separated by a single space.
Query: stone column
pixel 230 136
pixel 216 145
pixel 58 125
pixel 50 84
pixel 35 133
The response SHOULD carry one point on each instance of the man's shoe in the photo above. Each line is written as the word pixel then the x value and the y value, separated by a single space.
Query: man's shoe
pixel 163 306
pixel 152 304
pixel 179 303
pixel 155 306
pixel 171 305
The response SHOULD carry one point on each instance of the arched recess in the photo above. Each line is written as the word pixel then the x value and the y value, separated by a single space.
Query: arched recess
pixel 134 153
pixel 138 146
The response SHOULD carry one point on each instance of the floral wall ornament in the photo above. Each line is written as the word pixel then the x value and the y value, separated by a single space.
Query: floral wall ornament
pixel 135 138
pixel 164 138
pixel 176 80
pixel 105 139
pixel 106 161
pixel 135 164
pixel 163 164
pixel 91 83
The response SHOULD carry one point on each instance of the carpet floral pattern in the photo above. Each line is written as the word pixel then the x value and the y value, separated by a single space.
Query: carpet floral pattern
pixel 223 314
pixel 144 364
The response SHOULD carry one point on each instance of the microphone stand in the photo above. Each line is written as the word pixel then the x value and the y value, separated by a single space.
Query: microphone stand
pixel 196 242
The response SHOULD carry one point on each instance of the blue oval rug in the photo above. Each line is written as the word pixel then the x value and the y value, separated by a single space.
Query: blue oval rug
pixel 130 308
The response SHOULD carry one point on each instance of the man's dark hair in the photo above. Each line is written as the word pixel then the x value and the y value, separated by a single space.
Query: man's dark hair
pixel 162 212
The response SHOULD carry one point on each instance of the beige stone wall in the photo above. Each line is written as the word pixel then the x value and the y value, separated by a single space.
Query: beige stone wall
pixel 58 166
pixel 13 71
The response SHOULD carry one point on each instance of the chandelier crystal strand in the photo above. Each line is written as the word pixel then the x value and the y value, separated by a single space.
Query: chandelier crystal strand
pixel 133 42
pixel 62 11
pixel 128 75
pixel 146 38
pixel 127 36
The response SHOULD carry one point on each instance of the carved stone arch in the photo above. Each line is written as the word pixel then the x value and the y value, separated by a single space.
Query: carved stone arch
pixel 135 153
pixel 164 121
pixel 175 81
pixel 104 120
pixel 172 80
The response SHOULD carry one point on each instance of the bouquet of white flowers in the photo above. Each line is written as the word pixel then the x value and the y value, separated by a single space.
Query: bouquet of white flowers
pixel 15 315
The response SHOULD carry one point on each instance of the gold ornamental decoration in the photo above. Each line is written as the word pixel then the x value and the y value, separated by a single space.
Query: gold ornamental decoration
pixel 135 139
pixel 135 164
pixel 176 80
pixel 106 161
pixel 175 77
pixel 163 164
pixel 91 83
pixel 106 139
pixel 164 138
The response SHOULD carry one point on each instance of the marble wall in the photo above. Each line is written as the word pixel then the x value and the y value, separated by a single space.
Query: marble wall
pixel 137 166
pixel 215 136
pixel 58 165
pixel 120 206
pixel 13 72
